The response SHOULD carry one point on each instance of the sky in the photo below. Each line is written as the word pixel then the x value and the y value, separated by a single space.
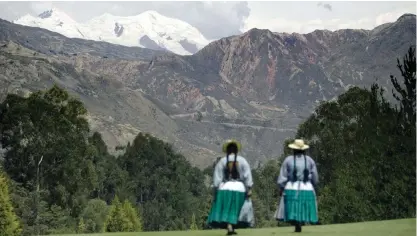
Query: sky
pixel 217 19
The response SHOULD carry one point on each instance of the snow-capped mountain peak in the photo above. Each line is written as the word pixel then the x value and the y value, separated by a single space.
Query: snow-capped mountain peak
pixel 56 14
pixel 53 20
pixel 50 17
pixel 148 29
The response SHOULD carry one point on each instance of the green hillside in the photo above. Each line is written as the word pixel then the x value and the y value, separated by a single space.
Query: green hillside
pixel 405 227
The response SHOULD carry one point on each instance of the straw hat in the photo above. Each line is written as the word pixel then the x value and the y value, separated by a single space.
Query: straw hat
pixel 231 141
pixel 298 144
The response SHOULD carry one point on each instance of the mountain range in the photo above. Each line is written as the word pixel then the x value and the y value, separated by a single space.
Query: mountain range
pixel 147 30
pixel 257 87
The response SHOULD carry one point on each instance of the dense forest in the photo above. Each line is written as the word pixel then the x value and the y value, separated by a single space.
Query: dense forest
pixel 56 176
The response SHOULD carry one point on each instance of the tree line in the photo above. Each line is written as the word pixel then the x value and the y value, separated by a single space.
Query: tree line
pixel 56 176
pixel 62 179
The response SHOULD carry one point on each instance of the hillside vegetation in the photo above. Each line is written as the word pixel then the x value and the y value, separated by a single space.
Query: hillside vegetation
pixel 61 178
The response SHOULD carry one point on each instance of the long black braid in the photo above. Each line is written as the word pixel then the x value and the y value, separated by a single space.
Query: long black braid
pixel 231 173
pixel 306 172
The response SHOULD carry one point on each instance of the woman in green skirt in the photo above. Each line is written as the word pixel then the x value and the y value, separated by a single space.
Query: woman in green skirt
pixel 297 180
pixel 232 180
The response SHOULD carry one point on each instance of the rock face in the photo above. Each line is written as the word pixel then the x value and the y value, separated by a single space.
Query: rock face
pixel 256 87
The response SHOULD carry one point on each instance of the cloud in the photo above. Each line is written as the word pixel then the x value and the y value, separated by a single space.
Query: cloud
pixel 388 17
pixel 291 26
pixel 40 7
pixel 325 6
pixel 214 19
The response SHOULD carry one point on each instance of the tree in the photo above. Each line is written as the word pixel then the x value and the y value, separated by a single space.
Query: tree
pixel 9 224
pixel 133 216
pixel 199 116
pixel 108 174
pixel 407 98
pixel 49 125
pixel 94 215
pixel 32 211
pixel 152 167
pixel 265 193
pixel 193 224
pixel 58 220
pixel 117 220
pixel 81 226
pixel 407 95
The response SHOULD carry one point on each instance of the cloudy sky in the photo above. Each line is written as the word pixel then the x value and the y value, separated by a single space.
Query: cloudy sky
pixel 220 18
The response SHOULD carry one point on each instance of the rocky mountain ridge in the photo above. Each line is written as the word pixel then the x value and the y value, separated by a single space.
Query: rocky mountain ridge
pixel 256 87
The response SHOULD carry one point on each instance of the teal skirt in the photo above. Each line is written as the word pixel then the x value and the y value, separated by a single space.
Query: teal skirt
pixel 227 204
pixel 300 203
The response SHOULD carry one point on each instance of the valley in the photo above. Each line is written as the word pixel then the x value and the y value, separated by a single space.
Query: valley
pixel 256 87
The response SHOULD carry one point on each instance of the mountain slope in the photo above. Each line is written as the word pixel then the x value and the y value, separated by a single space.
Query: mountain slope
pixel 115 110
pixel 51 43
pixel 148 30
pixel 295 69
pixel 256 87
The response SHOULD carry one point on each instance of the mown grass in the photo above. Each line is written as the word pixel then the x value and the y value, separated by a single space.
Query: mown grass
pixel 404 227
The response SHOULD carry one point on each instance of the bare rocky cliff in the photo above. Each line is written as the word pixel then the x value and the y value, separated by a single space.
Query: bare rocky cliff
pixel 256 87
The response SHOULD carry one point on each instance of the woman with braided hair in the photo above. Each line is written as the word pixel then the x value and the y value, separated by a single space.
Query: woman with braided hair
pixel 297 180
pixel 232 180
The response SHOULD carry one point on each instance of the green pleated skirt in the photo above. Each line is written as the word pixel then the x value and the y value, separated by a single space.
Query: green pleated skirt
pixel 227 204
pixel 300 203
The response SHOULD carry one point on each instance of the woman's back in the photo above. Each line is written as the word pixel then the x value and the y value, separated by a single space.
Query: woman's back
pixel 232 181
pixel 226 163
pixel 299 163
pixel 297 180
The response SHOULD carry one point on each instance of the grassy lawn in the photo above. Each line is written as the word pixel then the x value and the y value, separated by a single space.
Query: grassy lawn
pixel 405 227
